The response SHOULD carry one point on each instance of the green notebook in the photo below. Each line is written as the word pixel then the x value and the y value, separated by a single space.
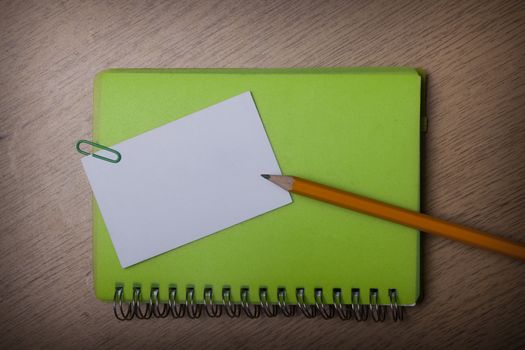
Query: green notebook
pixel 353 128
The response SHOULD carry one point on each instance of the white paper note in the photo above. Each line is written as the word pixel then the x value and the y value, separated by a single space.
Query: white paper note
pixel 187 179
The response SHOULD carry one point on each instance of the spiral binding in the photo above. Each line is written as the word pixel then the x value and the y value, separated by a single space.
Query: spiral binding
pixel 189 307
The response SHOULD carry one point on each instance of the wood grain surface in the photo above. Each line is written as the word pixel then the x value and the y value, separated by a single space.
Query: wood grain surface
pixel 474 169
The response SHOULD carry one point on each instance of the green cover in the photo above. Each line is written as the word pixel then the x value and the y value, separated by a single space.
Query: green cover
pixel 353 128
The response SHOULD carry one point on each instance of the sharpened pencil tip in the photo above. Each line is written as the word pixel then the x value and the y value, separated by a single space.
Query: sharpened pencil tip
pixel 266 176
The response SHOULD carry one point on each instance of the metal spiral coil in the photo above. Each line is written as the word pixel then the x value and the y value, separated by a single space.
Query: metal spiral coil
pixel 232 310
pixel 343 310
pixel 309 311
pixel 252 312
pixel 327 311
pixel 286 309
pixel 117 300
pixel 143 315
pixel 193 309
pixel 397 311
pixel 378 312
pixel 213 310
pixel 190 306
pixel 360 311
pixel 270 310
pixel 176 310
pixel 154 300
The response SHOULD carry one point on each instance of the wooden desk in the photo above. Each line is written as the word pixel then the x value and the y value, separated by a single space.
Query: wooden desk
pixel 473 51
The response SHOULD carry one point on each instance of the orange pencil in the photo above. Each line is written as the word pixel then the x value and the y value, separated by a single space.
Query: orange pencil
pixel 398 215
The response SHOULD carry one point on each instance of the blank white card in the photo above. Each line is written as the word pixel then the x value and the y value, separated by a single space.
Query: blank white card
pixel 187 179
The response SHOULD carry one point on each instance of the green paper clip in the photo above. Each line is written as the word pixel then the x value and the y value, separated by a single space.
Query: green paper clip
pixel 94 144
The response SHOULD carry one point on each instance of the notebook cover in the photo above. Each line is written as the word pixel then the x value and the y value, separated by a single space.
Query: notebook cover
pixel 352 128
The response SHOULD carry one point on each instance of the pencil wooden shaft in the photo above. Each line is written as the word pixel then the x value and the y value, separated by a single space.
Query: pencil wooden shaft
pixel 407 217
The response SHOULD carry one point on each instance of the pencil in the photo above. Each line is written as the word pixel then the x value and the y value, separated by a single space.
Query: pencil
pixel 399 215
